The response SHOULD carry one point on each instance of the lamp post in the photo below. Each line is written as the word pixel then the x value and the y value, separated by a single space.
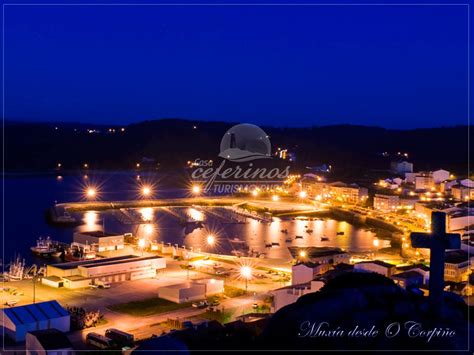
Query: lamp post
pixel 246 273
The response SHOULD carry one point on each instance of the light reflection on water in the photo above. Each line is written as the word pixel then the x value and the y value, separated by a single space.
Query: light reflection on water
pixel 164 226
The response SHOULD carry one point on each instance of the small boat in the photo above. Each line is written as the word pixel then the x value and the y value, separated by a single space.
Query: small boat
pixel 299 237
pixel 288 240
pixel 268 245
pixel 324 239
pixel 309 231
pixel 275 244
pixel 340 233
pixel 44 247
pixel 284 231
pixel 237 240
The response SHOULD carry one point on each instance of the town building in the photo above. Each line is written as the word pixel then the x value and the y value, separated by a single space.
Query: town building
pixel 377 266
pixel 99 240
pixel 401 167
pixel 191 290
pixel 18 321
pixel 122 268
pixel 408 279
pixel 460 219
pixel 456 266
pixel 386 203
pixel 322 255
pixel 306 271
pixel 462 193
pixel 424 181
pixel 349 193
pixel 47 342
pixel 440 175
pixel 290 294
pixel 419 268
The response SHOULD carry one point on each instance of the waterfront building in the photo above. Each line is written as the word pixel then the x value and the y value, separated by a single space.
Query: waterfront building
pixel 386 203
pixel 191 290
pixel 99 240
pixel 290 294
pixel 424 181
pixel 47 342
pixel 377 266
pixel 306 271
pixel 18 321
pixel 422 269
pixel 122 268
pixel 462 193
pixel 460 219
pixel 328 255
pixel 350 193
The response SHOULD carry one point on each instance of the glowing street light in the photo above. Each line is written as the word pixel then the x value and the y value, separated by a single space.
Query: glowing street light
pixel 148 229
pixel 246 273
pixel 303 194
pixel 275 198
pixel 146 191
pixel 141 243
pixel 302 254
pixel 196 189
pixel 211 240
pixel 91 193
pixel 255 193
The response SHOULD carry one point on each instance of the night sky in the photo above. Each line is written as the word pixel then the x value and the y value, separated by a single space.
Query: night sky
pixel 390 66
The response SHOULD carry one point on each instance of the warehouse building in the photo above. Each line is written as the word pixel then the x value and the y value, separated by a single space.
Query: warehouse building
pixel 99 240
pixel 17 321
pixel 191 290
pixel 122 268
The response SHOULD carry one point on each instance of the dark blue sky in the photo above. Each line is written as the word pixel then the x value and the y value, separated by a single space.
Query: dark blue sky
pixel 391 66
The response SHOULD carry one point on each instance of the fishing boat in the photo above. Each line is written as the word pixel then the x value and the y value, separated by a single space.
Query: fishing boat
pixel 285 231
pixel 324 238
pixel 309 231
pixel 299 237
pixel 16 271
pixel 288 240
pixel 275 244
pixel 268 245
pixel 44 247
pixel 77 252
pixel 340 233
pixel 237 240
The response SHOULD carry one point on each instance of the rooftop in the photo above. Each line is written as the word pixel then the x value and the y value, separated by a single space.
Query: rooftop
pixel 99 234
pixel 377 262
pixel 34 313
pixel 407 275
pixel 103 261
pixel 456 257
pixel 315 252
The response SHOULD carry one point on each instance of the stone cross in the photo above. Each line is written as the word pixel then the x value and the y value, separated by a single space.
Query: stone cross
pixel 437 241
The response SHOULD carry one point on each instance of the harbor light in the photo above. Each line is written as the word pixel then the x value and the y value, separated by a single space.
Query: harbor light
pixel 91 192
pixel 303 194
pixel 141 243
pixel 148 229
pixel 211 240
pixel 302 254
pixel 275 198
pixel 255 193
pixel 146 191
pixel 196 189
pixel 246 273
pixel 376 243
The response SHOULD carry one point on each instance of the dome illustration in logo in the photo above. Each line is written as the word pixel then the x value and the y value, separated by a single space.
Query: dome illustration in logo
pixel 245 142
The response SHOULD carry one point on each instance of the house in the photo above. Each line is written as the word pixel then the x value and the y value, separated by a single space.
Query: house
pixel 446 185
pixel 191 290
pixel 290 294
pixel 456 266
pixel 462 193
pixel 385 202
pixel 99 240
pixel 460 219
pixel 322 255
pixel 408 279
pixel 467 183
pixel 424 181
pixel 47 342
pixel 350 193
pixel 401 167
pixel 17 321
pixel 306 271
pixel 377 266
pixel 440 175
pixel 419 268
pixel 410 178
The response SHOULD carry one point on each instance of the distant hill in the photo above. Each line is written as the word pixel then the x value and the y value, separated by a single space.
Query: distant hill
pixel 351 150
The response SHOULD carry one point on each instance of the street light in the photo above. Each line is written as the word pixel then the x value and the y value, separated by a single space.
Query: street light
pixel 275 198
pixel 146 191
pixel 303 194
pixel 255 193
pixel 148 229
pixel 91 192
pixel 196 189
pixel 141 244
pixel 302 254
pixel 376 245
pixel 211 240
pixel 246 273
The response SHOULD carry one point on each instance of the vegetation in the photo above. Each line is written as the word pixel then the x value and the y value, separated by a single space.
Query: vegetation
pixel 147 307
pixel 231 291
pixel 220 316
pixel 81 319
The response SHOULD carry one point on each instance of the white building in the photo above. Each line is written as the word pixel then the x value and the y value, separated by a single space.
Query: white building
pixel 17 321
pixel 386 203
pixel 424 181
pixel 460 219
pixel 121 268
pixel 410 178
pixel 47 342
pixel 462 193
pixel 440 175
pixel 305 272
pixel 377 266
pixel 99 241
pixel 456 266
pixel 191 290
pixel 401 167
pixel 290 294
